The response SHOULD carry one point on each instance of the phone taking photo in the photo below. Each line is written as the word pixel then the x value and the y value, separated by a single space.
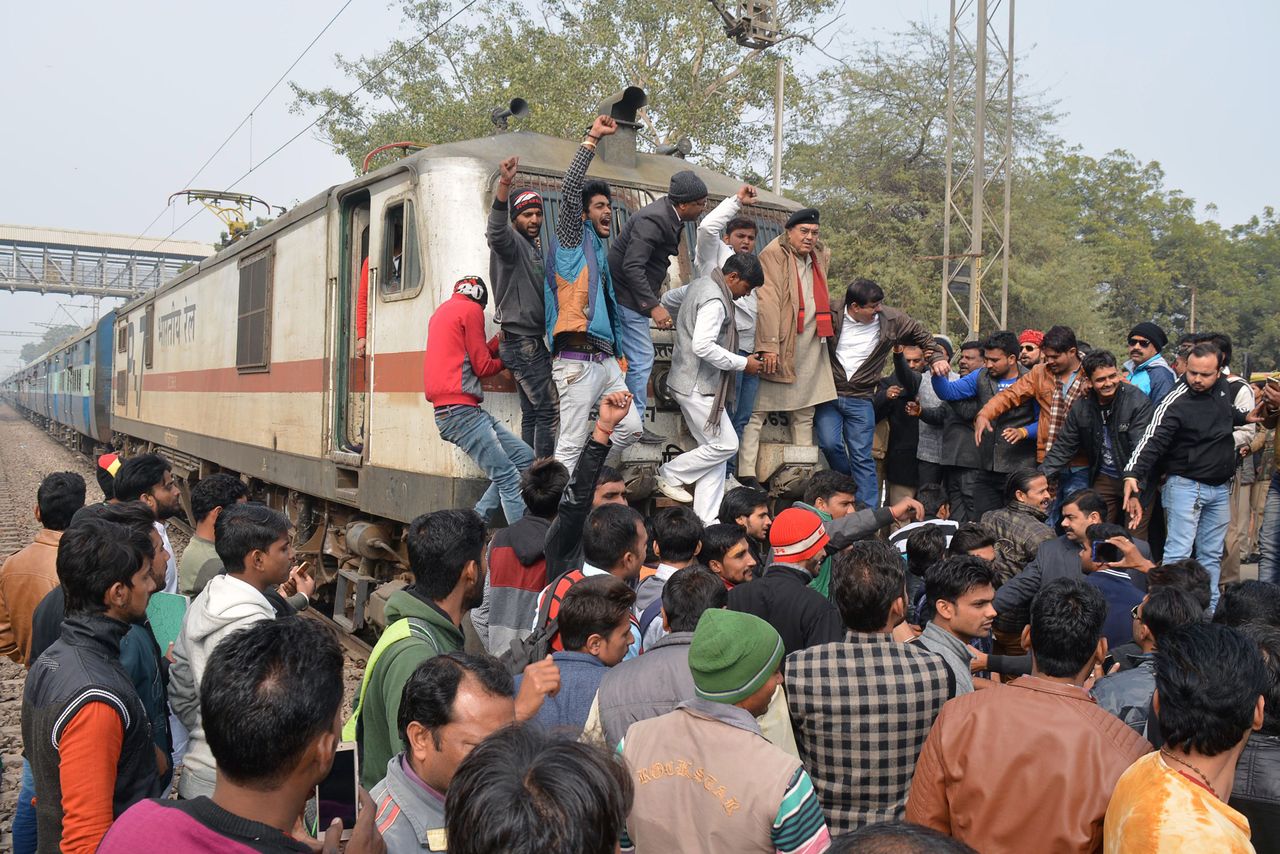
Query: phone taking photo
pixel 1105 552
pixel 338 794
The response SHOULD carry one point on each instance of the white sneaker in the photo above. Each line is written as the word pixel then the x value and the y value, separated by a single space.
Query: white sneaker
pixel 731 483
pixel 674 491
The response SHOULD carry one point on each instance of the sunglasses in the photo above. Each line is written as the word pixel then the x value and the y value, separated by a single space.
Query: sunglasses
pixel 1139 342
pixel 1029 348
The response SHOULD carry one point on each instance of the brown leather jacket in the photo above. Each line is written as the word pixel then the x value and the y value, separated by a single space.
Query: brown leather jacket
pixel 776 303
pixel 26 577
pixel 1028 766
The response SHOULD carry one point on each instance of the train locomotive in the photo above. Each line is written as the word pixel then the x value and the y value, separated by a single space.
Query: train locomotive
pixel 245 362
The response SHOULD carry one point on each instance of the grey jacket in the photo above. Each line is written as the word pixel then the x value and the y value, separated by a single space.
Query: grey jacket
pixel 516 271
pixel 640 255
pixel 1127 694
pixel 690 374
pixel 954 653
pixel 646 687
pixel 409 817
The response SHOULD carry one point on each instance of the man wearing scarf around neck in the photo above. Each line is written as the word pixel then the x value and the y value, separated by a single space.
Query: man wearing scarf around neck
pixel 703 365
pixel 794 320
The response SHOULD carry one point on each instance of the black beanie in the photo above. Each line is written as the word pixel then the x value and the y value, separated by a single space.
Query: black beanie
pixel 1148 330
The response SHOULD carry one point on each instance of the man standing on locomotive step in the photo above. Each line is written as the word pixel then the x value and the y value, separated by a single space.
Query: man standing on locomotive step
pixel 793 322
pixel 457 358
pixel 639 260
pixel 582 318
pixel 703 365
pixel 517 270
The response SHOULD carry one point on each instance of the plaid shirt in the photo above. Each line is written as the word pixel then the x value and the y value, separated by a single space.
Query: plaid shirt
pixel 861 709
pixel 1060 404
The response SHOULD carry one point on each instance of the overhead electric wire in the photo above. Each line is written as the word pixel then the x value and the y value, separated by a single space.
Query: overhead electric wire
pixel 249 116
pixel 374 76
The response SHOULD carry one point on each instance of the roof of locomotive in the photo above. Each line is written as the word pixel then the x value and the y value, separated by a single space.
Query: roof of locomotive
pixel 538 153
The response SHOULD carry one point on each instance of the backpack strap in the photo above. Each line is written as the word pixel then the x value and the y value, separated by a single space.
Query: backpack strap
pixel 650 614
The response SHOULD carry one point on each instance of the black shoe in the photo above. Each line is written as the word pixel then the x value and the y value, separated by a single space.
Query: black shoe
pixel 751 483
pixel 648 437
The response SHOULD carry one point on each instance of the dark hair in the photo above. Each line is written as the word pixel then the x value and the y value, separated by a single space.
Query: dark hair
pixel 718 539
pixel 1106 531
pixel 895 837
pixel 944 344
pixel 134 515
pixel 1066 622
pixel 609 474
pixel 94 555
pixel 1187 574
pixel 542 485
pixel 1268 641
pixel 827 483
pixel 1207 349
pixel 267 693
pixel 526 791
pixel 214 491
pixel 1249 602
pixel 1221 340
pixel 1208 680
pixel 610 532
pixel 106 482
pixel 926 546
pixel 245 528
pixel 441 544
pixel 863 292
pixel 60 495
pixel 138 475
pixel 688 593
pixel 971 345
pixel 429 694
pixel 593 606
pixel 1004 341
pixel 1097 359
pixel 1088 502
pixel 932 497
pixel 969 537
pixel 953 577
pixel 740 223
pixel 1168 608
pixel 593 188
pixel 742 501
pixel 677 531
pixel 1083 347
pixel 747 268
pixel 866 579
pixel 1060 339
pixel 1019 480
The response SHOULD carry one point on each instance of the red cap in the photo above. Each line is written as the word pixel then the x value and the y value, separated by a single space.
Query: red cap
pixel 797 535
pixel 1031 336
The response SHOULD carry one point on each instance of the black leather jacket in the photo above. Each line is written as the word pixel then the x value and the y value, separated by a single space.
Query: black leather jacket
pixel 1131 412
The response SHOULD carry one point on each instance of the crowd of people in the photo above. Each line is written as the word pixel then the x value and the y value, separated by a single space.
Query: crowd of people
pixel 1014 584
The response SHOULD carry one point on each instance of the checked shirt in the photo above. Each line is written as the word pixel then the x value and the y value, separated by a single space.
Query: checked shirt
pixel 861 709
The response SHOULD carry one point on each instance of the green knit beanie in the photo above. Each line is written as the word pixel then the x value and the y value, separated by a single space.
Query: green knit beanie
pixel 732 655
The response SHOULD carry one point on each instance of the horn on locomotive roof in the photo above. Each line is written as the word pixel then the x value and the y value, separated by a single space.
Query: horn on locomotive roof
pixel 519 108
pixel 622 106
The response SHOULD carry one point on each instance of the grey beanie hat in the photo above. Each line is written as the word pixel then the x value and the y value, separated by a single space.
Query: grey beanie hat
pixel 686 187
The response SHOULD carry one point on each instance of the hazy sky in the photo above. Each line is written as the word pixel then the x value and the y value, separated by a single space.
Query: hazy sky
pixel 113 106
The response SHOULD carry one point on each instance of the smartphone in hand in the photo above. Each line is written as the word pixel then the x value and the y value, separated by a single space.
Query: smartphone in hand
pixel 338 794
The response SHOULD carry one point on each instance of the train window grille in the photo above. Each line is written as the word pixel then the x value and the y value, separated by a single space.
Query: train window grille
pixel 122 337
pixel 400 277
pixel 148 335
pixel 253 316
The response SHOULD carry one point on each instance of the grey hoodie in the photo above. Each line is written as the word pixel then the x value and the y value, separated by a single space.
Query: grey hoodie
pixel 225 605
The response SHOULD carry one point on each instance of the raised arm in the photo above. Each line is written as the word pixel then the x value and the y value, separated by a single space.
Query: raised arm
pixel 569 224
pixel 501 237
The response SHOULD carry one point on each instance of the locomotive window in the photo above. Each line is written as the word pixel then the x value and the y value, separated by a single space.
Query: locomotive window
pixel 400 274
pixel 253 323
pixel 149 334
pixel 122 337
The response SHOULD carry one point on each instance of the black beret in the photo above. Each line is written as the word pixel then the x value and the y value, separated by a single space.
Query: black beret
pixel 805 216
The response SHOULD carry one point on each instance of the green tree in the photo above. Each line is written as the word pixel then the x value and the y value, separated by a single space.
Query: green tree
pixel 54 336
pixel 564 58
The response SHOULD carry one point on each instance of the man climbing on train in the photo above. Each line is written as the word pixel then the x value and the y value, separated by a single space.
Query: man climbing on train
pixel 582 316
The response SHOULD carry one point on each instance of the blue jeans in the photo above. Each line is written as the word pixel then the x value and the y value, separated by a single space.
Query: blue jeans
pixel 745 385
pixel 637 346
pixel 1196 516
pixel 24 817
pixel 1071 480
pixel 499 453
pixel 1269 535
pixel 846 427
pixel 530 364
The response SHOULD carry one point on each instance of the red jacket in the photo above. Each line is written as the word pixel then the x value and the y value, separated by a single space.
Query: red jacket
pixel 457 356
